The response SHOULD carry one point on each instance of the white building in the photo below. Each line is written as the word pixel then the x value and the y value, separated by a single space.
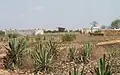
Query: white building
pixel 37 32
pixel 93 29
pixel 97 27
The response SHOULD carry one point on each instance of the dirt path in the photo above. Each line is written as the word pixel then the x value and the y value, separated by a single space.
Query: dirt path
pixel 108 42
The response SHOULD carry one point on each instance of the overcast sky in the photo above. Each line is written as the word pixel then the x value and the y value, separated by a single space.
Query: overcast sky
pixel 25 14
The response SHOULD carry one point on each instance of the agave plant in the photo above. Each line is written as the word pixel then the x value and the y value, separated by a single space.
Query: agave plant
pixel 53 47
pixel 80 56
pixel 103 68
pixel 73 54
pixel 43 57
pixel 77 72
pixel 86 54
pixel 15 53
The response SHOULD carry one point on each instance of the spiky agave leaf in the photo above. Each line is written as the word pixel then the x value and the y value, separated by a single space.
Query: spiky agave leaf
pixel 15 52
pixel 86 52
pixel 71 54
pixel 43 56
pixel 103 68
pixel 77 72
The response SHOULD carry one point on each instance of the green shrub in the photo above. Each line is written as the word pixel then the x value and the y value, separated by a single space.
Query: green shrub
pixel 103 67
pixel 77 72
pixel 99 31
pixel 15 53
pixel 86 53
pixel 13 35
pixel 68 37
pixel 2 33
pixel 74 55
pixel 43 56
pixel 80 56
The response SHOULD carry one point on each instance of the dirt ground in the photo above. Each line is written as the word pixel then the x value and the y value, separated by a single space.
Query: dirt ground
pixel 97 52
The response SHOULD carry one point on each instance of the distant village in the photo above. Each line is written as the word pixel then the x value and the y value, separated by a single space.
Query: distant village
pixel 91 29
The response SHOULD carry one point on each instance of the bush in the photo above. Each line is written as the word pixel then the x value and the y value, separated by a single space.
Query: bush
pixel 73 54
pixel 13 35
pixel 103 67
pixel 97 32
pixel 68 37
pixel 43 56
pixel 79 56
pixel 2 33
pixel 15 53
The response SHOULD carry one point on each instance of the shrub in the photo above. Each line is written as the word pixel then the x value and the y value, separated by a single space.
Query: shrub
pixel 15 53
pixel 77 72
pixel 2 33
pixel 43 56
pixel 79 56
pixel 103 67
pixel 86 53
pixel 97 32
pixel 68 37
pixel 12 35
pixel 74 55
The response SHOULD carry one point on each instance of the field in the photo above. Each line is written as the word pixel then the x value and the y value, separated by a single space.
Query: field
pixel 69 58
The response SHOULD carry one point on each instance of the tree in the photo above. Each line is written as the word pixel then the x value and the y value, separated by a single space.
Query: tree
pixel 94 23
pixel 116 24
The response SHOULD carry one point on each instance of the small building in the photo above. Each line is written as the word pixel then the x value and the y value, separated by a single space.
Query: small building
pixel 37 32
pixel 97 27
pixel 93 29
pixel 61 29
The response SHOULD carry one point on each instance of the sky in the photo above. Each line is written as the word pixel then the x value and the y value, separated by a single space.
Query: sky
pixel 49 14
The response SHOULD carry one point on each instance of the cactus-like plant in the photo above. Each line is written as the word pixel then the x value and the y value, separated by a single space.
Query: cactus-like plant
pixel 103 68
pixel 73 54
pixel 43 56
pixel 77 72
pixel 86 54
pixel 15 53
pixel 80 56
pixel 53 47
